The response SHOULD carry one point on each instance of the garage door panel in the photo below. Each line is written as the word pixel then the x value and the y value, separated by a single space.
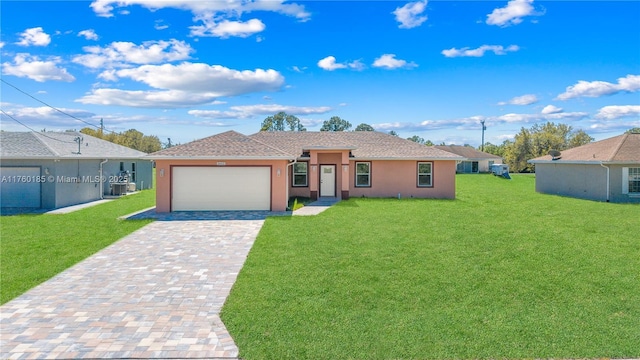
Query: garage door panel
pixel 19 187
pixel 221 188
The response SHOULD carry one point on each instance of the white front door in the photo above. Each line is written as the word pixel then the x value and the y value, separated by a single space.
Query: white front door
pixel 328 180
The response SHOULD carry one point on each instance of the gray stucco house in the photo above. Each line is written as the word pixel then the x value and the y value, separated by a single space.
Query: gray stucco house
pixel 475 161
pixel 606 170
pixel 56 169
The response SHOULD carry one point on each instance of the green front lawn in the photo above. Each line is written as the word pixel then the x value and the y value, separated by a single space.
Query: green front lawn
pixel 500 272
pixel 34 248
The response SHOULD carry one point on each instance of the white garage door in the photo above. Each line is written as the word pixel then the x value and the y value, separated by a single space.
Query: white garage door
pixel 19 187
pixel 220 188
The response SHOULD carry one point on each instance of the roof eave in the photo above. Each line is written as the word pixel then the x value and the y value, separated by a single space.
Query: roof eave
pixel 218 158
pixel 411 158
pixel 583 162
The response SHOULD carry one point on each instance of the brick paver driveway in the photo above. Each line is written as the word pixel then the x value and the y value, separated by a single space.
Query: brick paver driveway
pixel 156 293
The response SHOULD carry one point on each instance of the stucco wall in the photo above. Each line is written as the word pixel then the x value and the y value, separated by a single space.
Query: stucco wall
pixel 279 183
pixel 390 178
pixel 576 180
pixel 616 194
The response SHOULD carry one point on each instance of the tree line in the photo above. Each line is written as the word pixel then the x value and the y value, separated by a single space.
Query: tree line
pixel 131 138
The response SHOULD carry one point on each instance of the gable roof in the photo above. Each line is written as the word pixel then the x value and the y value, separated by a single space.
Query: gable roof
pixel 61 145
pixel 468 152
pixel 364 145
pixel 621 149
pixel 369 145
pixel 226 145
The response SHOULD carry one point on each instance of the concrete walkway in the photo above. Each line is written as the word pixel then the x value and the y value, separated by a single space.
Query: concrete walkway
pixel 157 293
pixel 316 207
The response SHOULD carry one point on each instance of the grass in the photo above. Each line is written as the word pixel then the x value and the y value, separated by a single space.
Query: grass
pixel 34 248
pixel 500 272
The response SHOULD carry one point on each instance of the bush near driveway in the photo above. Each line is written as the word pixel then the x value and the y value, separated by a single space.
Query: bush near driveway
pixel 500 272
pixel 34 248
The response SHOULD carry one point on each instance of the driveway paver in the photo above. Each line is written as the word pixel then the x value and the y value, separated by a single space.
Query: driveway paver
pixel 157 293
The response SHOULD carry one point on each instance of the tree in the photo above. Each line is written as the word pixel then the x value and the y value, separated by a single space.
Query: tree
pixel 539 141
pixel 635 130
pixel 392 132
pixel 579 138
pixel 417 139
pixel 131 138
pixel 282 122
pixel 336 124
pixel 364 127
pixel 429 143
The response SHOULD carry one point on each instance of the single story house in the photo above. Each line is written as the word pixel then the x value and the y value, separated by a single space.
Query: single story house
pixel 231 171
pixel 476 161
pixel 49 170
pixel 606 170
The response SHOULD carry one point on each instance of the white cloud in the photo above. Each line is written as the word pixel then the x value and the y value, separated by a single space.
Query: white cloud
pixel 186 84
pixel 214 15
pixel 511 14
pixel 299 69
pixel 120 54
pixel 247 111
pixel 1 44
pixel 472 122
pixel 25 65
pixel 479 52
pixel 614 112
pixel 33 113
pixel 389 61
pixel 264 109
pixel 88 34
pixel 630 83
pixel 34 36
pixel 551 109
pixel 410 15
pixel 329 63
pixel 225 28
pixel 527 99
pixel 159 25
pixel 217 114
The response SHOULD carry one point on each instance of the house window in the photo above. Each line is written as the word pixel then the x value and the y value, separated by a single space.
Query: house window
pixel 299 174
pixel 121 165
pixel 634 180
pixel 133 172
pixel 425 174
pixel 363 174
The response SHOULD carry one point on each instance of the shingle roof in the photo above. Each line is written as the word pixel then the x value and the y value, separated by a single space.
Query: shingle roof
pixel 290 144
pixel 226 145
pixel 57 145
pixel 468 152
pixel 364 144
pixel 619 149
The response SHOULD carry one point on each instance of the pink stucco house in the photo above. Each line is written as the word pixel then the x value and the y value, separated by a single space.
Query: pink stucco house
pixel 232 171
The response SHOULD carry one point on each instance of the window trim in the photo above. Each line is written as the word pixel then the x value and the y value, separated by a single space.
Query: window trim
pixel 418 173
pixel 294 173
pixel 355 171
pixel 626 180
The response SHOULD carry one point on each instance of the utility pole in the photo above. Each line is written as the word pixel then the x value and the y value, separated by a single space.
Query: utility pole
pixel 483 129
pixel 168 142
pixel 101 128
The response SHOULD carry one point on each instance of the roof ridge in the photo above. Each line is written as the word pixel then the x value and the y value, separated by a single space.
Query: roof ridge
pixel 615 152
pixel 52 150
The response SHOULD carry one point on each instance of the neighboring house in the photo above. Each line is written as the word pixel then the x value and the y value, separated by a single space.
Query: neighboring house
pixel 56 169
pixel 231 171
pixel 476 161
pixel 606 170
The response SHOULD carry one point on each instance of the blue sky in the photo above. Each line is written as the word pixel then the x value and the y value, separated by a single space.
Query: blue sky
pixel 189 69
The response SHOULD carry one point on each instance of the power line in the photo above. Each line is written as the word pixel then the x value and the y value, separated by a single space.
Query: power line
pixel 54 108
pixel 43 134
